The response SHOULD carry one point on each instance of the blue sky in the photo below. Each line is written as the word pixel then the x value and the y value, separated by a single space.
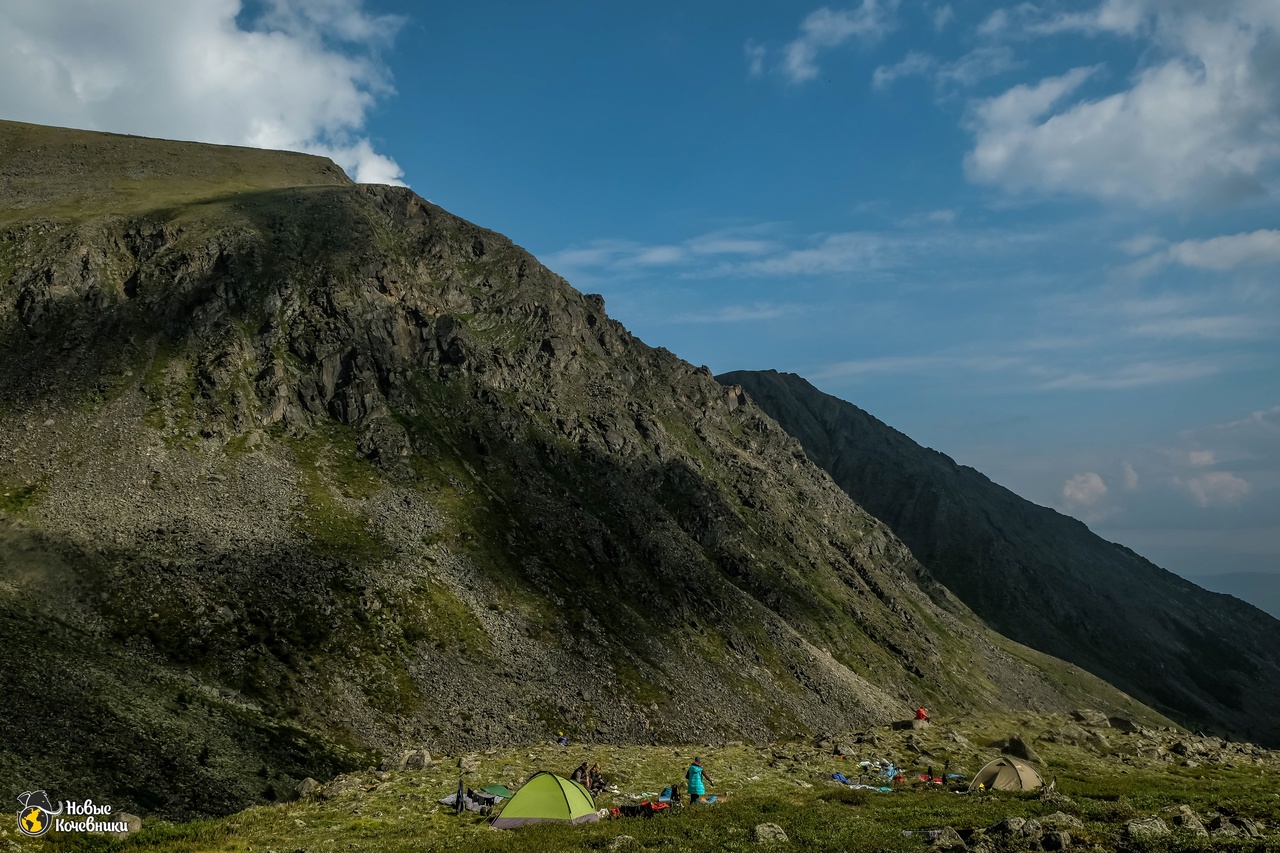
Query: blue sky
pixel 1039 236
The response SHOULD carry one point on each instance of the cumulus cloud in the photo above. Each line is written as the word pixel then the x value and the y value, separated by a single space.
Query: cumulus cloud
pixel 1084 489
pixel 301 75
pixel 826 28
pixel 1201 122
pixel 1218 488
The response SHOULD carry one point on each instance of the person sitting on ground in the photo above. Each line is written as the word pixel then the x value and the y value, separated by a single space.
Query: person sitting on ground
pixel 595 779
pixel 698 780
pixel 581 775
pixel 922 714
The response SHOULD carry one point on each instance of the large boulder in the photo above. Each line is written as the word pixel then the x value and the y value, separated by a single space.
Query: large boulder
pixel 1124 724
pixel 1182 816
pixel 1091 717
pixel 764 833
pixel 1146 827
pixel 1061 820
pixel 1060 840
pixel 1009 826
pixel 1019 748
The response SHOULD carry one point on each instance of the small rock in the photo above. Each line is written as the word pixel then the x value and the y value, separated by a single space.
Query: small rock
pixel 306 787
pixel 1146 827
pixel 1061 820
pixel 919 724
pixel 419 759
pixel 948 839
pixel 468 764
pixel 1184 817
pixel 766 832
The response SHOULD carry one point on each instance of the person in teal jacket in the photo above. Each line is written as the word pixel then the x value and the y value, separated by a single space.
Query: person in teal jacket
pixel 697 779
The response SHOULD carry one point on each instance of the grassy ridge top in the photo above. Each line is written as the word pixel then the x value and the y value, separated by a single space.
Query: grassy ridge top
pixel 67 175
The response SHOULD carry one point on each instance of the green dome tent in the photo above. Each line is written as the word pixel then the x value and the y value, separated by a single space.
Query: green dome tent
pixel 547 797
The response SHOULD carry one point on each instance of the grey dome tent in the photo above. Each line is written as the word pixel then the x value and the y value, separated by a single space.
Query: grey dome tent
pixel 1007 774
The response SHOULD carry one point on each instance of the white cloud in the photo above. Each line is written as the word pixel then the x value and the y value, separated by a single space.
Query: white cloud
pixel 755 54
pixel 1136 374
pixel 1130 477
pixel 1201 123
pixel 301 76
pixel 978 65
pixel 914 64
pixel 942 16
pixel 1141 244
pixel 1084 489
pixel 628 256
pixel 967 71
pixel 1226 253
pixel 1200 458
pixel 1218 488
pixel 1207 328
pixel 739 313
pixel 825 29
pixel 1027 19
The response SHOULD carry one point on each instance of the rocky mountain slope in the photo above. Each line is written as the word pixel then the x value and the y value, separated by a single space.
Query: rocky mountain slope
pixel 1043 578
pixel 1257 588
pixel 293 470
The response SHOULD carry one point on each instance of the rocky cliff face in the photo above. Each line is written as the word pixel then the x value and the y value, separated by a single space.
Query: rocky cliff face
pixel 295 470
pixel 1040 577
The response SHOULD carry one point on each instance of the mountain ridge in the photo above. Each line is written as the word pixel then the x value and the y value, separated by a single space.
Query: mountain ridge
pixel 294 473
pixel 1038 576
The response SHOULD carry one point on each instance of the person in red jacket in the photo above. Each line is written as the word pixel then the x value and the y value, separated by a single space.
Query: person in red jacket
pixel 922 714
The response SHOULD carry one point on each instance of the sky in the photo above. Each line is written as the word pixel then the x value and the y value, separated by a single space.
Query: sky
pixel 1041 237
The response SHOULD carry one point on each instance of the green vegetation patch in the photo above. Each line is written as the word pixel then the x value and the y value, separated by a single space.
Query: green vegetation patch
pixel 329 467
pixel 19 498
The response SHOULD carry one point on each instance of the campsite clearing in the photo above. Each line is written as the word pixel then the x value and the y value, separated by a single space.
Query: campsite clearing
pixel 1102 783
